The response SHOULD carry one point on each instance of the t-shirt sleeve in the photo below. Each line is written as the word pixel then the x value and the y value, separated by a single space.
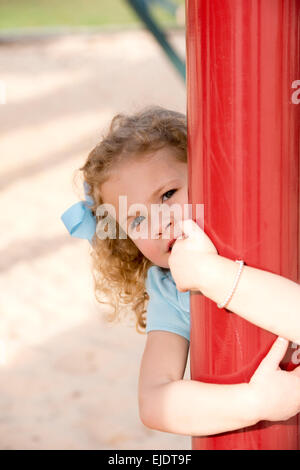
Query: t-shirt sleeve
pixel 163 311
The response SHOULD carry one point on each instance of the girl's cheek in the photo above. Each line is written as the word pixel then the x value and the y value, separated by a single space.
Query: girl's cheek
pixel 148 248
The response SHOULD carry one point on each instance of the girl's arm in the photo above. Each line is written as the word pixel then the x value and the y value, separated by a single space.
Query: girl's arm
pixel 169 403
pixel 265 299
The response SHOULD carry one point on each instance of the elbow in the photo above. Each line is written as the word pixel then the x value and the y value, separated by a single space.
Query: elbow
pixel 148 413
pixel 145 415
pixel 145 419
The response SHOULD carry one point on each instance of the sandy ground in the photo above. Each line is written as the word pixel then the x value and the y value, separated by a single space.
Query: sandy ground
pixel 68 379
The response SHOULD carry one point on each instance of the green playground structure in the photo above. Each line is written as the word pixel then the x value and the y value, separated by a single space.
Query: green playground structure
pixel 143 9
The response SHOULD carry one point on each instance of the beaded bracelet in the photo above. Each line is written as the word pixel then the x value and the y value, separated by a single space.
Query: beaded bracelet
pixel 228 298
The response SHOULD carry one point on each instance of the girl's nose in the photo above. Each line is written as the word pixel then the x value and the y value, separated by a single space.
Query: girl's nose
pixel 167 231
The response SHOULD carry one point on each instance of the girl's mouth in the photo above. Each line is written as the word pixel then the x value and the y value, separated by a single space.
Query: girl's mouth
pixel 170 244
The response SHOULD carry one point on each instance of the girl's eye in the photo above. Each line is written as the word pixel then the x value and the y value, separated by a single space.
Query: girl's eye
pixel 133 225
pixel 137 220
pixel 169 194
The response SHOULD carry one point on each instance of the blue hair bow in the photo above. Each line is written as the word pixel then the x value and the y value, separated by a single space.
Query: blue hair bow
pixel 79 219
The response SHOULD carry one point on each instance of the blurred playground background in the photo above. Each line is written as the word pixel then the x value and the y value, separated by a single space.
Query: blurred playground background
pixel 42 13
pixel 69 379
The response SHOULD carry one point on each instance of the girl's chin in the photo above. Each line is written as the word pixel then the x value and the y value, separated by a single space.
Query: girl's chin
pixel 164 262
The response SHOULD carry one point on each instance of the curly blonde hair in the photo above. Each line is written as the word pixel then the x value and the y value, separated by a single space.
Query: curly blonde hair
pixel 119 268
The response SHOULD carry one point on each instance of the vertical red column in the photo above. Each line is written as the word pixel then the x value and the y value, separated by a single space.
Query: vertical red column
pixel 243 133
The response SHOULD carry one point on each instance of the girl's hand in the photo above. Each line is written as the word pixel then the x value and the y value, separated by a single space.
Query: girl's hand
pixel 277 391
pixel 187 253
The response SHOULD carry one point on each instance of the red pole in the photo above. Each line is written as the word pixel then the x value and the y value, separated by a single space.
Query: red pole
pixel 243 133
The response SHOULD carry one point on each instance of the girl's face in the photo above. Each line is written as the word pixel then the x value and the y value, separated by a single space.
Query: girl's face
pixel 157 179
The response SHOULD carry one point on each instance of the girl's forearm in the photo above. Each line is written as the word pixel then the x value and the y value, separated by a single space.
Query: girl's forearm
pixel 195 408
pixel 265 299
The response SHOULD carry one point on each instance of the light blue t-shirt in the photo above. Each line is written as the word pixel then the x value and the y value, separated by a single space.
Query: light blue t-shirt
pixel 168 309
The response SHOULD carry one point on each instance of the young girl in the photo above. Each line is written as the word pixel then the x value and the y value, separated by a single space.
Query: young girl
pixel 143 157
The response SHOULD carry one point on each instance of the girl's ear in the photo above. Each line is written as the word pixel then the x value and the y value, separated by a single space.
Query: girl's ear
pixel 97 193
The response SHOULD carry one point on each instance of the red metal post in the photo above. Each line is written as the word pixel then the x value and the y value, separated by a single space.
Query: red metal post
pixel 243 132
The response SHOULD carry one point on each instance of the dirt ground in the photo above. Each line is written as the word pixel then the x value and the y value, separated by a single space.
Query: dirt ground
pixel 68 379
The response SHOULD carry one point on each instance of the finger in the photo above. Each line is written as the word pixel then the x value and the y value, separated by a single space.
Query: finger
pixel 296 371
pixel 181 289
pixel 190 228
pixel 275 355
